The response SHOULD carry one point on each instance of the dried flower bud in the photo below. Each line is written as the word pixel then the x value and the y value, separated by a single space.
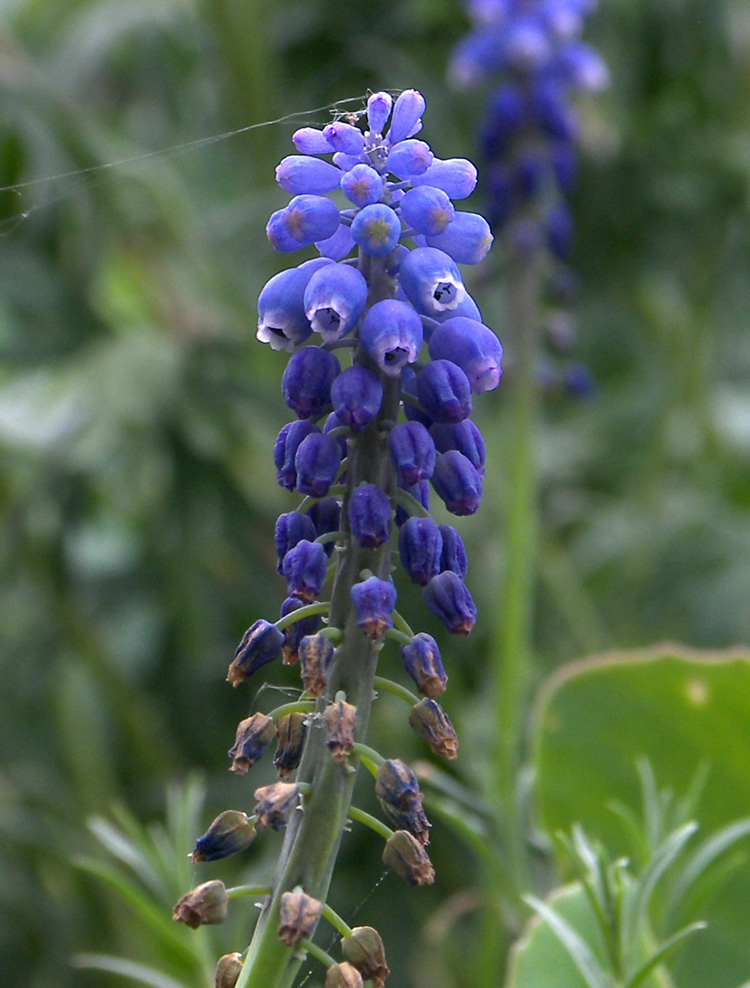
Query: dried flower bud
pixel 290 734
pixel 299 914
pixel 316 658
pixel 398 792
pixel 423 662
pixel 275 804
pixel 230 832
pixel 364 950
pixel 254 734
pixel 260 645
pixel 341 719
pixel 228 970
pixel 343 976
pixel 431 722
pixel 205 905
pixel 294 633
pixel 406 857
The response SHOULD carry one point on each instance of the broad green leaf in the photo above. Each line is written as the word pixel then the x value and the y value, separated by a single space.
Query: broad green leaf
pixel 679 710
pixel 577 948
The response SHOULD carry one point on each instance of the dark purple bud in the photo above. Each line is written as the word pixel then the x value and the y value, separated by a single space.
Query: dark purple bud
pixel 370 516
pixel 391 333
pixel 317 462
pixel 334 422
pixel 304 568
pixel 261 644
pixel 291 528
pixel 559 224
pixel 298 915
pixel 447 598
pixel 409 387
pixel 432 723
pixel 294 633
pixel 407 858
pixel 398 793
pixel 275 804
pixel 307 380
pixel 357 395
pixel 413 453
pixel 316 661
pixel 229 833
pixel 254 735
pixel 421 494
pixel 374 601
pixel 423 662
pixel 553 113
pixel 463 436
pixel 471 345
pixel 444 391
pixel 341 721
pixel 378 110
pixel 285 450
pixel 420 544
pixel 291 731
pixel 205 905
pixel 457 483
pixel 326 516
pixel 453 556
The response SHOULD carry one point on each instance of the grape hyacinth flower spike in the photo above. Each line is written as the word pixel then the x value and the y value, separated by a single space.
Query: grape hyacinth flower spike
pixel 358 459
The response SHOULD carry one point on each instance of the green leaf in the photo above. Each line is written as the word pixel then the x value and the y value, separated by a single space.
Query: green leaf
pixel 640 975
pixel 128 969
pixel 579 951
pixel 704 857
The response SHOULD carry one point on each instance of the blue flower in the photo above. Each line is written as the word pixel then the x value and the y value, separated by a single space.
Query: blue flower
pixel 376 229
pixel 420 545
pixel 448 598
pixel 431 280
pixel 427 210
pixel 304 568
pixel 463 436
pixel 285 451
pixel 391 333
pixel 261 644
pixel 471 345
pixel 317 462
pixel 423 662
pixel 306 219
pixel 444 391
pixel 291 528
pixel 357 395
pixel 335 299
pixel 300 174
pixel 412 450
pixel 370 515
pixel 281 309
pixel 453 556
pixel 374 600
pixel 457 483
pixel 307 380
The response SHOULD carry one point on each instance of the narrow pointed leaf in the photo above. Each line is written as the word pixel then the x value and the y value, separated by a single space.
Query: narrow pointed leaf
pixel 128 969
pixel 579 951
pixel 658 956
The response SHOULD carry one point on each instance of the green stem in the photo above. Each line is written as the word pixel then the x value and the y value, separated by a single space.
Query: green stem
pixel 317 952
pixel 336 921
pixel 371 759
pixel 241 891
pixel 299 706
pixel 309 610
pixel 370 821
pixel 388 686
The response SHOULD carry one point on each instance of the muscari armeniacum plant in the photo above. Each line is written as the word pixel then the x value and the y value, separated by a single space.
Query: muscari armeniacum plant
pixel 387 353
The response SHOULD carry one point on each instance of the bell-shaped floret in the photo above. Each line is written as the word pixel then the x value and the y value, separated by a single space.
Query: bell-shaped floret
pixel 304 568
pixel 457 177
pixel 391 334
pixel 285 450
pixel 431 280
pixel 467 239
pixel 370 515
pixel 281 309
pixel 300 175
pixel 326 516
pixel 334 304
pixel 409 158
pixel 427 210
pixel 412 450
pixel 374 600
pixel 306 219
pixel 463 436
pixel 423 662
pixel 291 528
pixel 471 345
pixel 420 545
pixel 406 120
pixel 295 632
pixel 447 597
pixel 527 46
pixel 399 795
pixel 466 307
pixel 357 395
pixel 362 185
pixel 261 644
pixel 457 483
pixel 444 391
pixel 453 556
pixel 317 462
pixel 376 229
pixel 306 383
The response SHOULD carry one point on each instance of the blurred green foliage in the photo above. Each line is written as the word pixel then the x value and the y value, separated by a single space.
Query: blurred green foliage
pixel 137 412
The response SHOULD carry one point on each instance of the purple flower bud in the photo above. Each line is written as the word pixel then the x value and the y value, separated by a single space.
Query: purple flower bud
pixel 291 528
pixel 326 516
pixel 334 304
pixel 427 210
pixel 357 395
pixel 444 391
pixel 457 483
pixel 317 462
pixel 471 345
pixel 345 137
pixel 281 310
pixel 346 161
pixel 463 436
pixel 285 450
pixel 378 111
pixel 398 793
pixel 254 735
pixel 447 598
pixel 423 662
pixel 307 380
pixel 376 230
pixel 457 177
pixel 306 219
pixel 294 633
pixel 413 453
pixel 453 557
pixel 370 516
pixel 261 644
pixel 409 387
pixel 421 494
pixel 298 174
pixel 362 185
pixel 304 568
pixel 527 47
pixel 552 112
pixel 391 333
pixel 374 601
pixel 467 239
pixel 339 246
pixel 316 661
pixel 409 158
pixel 407 112
pixel 310 140
pixel 334 422
pixel 229 833
pixel 584 67
pixel 431 281
pixel 420 545
pixel 432 723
